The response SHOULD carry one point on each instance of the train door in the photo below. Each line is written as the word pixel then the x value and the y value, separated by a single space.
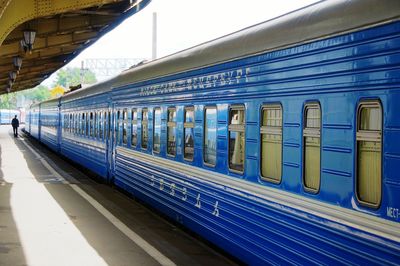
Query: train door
pixel 59 125
pixel 39 122
pixel 109 115
pixel 115 135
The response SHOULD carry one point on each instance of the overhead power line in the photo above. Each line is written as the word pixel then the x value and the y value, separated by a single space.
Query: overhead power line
pixel 108 67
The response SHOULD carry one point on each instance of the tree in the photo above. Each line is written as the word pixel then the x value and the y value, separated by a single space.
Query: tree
pixel 8 101
pixel 72 76
pixel 37 94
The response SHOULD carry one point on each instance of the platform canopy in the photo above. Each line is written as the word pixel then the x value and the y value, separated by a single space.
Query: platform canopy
pixel 37 37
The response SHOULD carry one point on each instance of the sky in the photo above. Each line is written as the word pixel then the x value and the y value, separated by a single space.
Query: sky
pixel 182 24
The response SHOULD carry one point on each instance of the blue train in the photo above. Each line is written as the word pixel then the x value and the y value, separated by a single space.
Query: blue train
pixel 279 143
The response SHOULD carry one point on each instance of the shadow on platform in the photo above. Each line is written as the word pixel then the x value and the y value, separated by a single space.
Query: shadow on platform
pixel 111 244
pixel 11 251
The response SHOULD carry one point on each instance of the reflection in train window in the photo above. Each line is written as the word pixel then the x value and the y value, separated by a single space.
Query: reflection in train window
pixel 312 147
pixel 369 153
pixel 134 128
pixel 82 124
pixel 117 128
pixel 271 143
pixel 95 124
pixel 101 125
pixel 125 126
pixel 145 128
pixel 71 122
pixel 157 130
pixel 91 125
pixel 171 132
pixel 210 136
pixel 189 134
pixel 236 138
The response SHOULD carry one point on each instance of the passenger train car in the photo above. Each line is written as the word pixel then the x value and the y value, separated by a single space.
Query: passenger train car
pixel 279 143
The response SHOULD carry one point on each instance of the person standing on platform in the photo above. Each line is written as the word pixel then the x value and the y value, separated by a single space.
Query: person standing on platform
pixel 15 125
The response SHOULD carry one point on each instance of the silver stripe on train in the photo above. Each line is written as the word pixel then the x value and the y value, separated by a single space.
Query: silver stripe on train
pixel 364 222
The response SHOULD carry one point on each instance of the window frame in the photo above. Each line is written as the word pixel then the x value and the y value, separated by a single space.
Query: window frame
pixel 91 125
pixel 311 132
pixel 204 135
pixel 70 122
pixel 96 119
pixel 239 129
pixel 141 129
pixel 134 122
pixel 124 127
pixel 101 125
pixel 87 125
pixel 368 136
pixel 83 124
pixel 173 125
pixel 272 130
pixel 154 128
pixel 188 125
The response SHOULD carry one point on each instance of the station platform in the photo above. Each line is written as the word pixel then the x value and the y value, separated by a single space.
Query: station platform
pixel 52 213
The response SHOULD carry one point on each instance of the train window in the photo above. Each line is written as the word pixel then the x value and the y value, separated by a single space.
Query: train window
pixel 236 138
pixel 75 123
pixel 171 131
pixel 66 122
pixel 145 128
pixel 108 126
pixel 189 133
pixel 312 147
pixel 271 143
pixel 80 119
pixel 91 125
pixel 87 125
pixel 210 136
pixel 82 124
pixel 117 130
pixel 134 128
pixel 157 130
pixel 71 123
pixel 100 125
pixel 369 153
pixel 95 124
pixel 125 126
pixel 105 125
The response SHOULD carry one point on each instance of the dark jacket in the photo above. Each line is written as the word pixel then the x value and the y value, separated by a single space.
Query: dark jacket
pixel 15 122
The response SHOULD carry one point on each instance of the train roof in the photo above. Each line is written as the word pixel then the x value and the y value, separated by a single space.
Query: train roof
pixel 98 88
pixel 51 102
pixel 321 20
